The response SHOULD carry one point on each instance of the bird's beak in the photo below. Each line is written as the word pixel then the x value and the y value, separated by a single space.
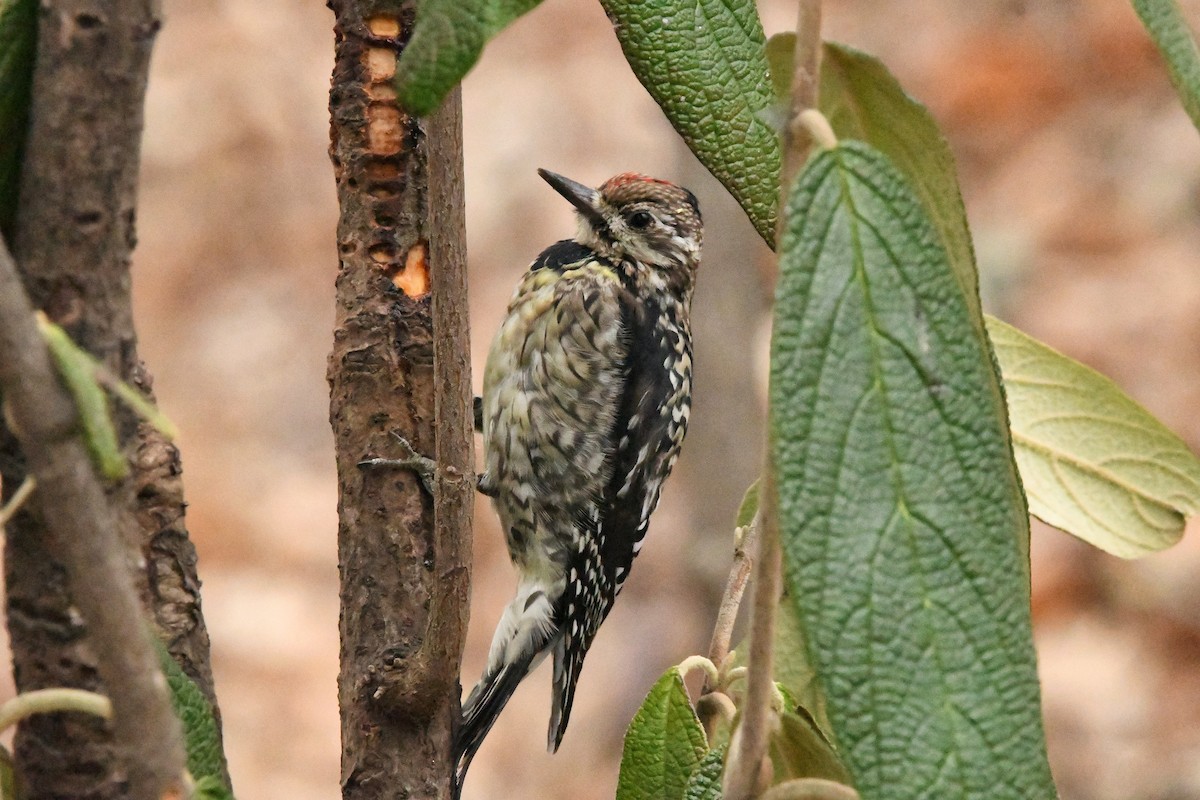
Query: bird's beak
pixel 584 198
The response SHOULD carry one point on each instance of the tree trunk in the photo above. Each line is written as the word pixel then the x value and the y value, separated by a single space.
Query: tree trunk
pixel 74 234
pixel 400 365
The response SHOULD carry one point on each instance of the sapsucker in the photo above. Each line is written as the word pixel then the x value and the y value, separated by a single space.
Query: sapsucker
pixel 586 398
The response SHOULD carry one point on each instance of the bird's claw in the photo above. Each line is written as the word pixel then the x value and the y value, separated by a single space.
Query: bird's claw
pixel 425 468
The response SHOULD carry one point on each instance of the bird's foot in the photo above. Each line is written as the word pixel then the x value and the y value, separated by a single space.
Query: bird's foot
pixel 425 468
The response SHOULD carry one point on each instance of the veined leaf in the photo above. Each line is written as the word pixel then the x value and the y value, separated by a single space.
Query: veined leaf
pixel 202 738
pixel 447 40
pixel 705 783
pixel 1169 30
pixel 1094 462
pixel 899 511
pixel 664 744
pixel 862 100
pixel 211 788
pixel 704 63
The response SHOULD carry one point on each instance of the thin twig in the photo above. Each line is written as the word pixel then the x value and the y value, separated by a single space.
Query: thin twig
pixel 45 701
pixel 81 533
pixel 731 600
pixel 18 499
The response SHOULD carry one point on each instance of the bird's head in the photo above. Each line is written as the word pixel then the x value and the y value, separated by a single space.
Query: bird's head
pixel 632 218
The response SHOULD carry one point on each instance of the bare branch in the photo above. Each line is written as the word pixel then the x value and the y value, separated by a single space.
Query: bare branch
pixel 81 533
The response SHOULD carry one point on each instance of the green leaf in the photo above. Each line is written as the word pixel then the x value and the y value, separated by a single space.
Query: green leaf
pixel 18 35
pixel 134 399
pixel 792 667
pixel 704 63
pixel 663 745
pixel 781 59
pixel 1094 462
pixel 202 737
pixel 863 101
pixel 447 40
pixel 77 370
pixel 211 788
pixel 1169 30
pixel 900 509
pixel 705 783
pixel 748 509
pixel 799 749
pixel 8 776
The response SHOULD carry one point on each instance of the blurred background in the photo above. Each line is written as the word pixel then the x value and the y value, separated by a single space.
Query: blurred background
pixel 1081 175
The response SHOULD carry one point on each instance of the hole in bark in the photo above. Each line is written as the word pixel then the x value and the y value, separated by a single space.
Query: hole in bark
pixel 352 182
pixel 384 25
pixel 382 191
pixel 385 253
pixel 65 303
pixel 346 248
pixel 88 21
pixel 88 219
pixel 413 280
pixel 384 220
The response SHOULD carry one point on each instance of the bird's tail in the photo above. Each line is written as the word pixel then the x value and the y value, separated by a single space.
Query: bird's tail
pixel 480 711
pixel 525 633
pixel 566 675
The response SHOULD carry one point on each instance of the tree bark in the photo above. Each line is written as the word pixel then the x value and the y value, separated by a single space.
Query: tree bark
pixel 400 365
pixel 74 234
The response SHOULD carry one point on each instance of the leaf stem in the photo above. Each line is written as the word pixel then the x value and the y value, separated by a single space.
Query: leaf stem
pixel 44 701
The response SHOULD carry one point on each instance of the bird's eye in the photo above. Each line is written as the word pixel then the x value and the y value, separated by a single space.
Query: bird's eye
pixel 640 219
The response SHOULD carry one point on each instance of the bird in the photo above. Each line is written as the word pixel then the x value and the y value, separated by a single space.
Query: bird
pixel 586 401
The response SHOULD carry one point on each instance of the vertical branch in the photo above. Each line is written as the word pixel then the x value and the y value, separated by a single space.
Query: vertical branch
pixel 72 243
pixel 399 365
pixel 750 747
pixel 806 80
pixel 80 532
pixel 454 437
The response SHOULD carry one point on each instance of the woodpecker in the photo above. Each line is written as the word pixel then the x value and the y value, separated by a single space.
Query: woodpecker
pixel 586 398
